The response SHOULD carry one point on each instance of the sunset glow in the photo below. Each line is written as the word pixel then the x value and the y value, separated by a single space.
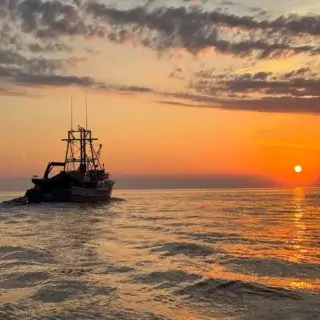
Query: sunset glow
pixel 166 97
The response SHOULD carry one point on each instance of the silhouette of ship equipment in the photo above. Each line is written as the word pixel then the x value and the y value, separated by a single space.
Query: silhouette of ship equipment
pixel 82 179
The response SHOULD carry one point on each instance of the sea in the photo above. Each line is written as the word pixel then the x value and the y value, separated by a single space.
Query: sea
pixel 163 254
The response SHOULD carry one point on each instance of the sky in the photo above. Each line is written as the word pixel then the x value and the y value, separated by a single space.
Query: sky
pixel 220 91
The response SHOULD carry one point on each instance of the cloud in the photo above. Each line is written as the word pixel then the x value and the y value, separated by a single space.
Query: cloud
pixel 195 29
pixel 18 71
pixel 49 47
pixel 166 27
pixel 177 103
pixel 25 59
pixel 194 182
pixel 265 104
pixel 289 145
pixel 31 31
pixel 14 92
pixel 47 20
pixel 17 79
pixel 16 61
pixel 297 91
pixel 295 83
pixel 36 50
pixel 274 105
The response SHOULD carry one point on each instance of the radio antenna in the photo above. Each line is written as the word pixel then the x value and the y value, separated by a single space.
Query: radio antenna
pixel 86 113
pixel 71 114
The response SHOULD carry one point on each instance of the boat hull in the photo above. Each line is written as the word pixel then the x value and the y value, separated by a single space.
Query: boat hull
pixel 69 195
pixel 91 195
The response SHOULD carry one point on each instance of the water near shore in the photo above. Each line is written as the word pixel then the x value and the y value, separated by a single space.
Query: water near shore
pixel 196 254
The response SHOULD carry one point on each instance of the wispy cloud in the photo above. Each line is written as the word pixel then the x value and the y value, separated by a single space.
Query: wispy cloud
pixel 195 29
pixel 288 145
pixel 36 49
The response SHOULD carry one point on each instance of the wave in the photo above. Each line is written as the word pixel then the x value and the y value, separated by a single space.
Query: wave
pixel 23 279
pixel 256 301
pixel 273 267
pixel 189 249
pixel 92 310
pixel 171 277
pixel 70 289
pixel 213 237
pixel 24 254
pixel 219 289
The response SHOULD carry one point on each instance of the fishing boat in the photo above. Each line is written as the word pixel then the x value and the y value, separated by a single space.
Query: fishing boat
pixel 82 177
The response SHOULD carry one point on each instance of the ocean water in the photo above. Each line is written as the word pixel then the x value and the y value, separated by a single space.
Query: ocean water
pixel 171 254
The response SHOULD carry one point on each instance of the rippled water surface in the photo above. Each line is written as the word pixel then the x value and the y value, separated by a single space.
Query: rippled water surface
pixel 196 254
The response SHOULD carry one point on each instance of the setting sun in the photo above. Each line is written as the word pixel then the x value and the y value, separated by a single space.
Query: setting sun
pixel 297 169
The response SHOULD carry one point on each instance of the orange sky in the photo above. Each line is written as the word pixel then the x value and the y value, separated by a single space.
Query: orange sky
pixel 143 136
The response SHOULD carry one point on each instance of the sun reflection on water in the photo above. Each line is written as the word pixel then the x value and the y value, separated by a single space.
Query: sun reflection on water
pixel 299 238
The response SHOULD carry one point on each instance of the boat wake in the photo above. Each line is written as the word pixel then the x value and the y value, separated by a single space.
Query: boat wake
pixel 22 201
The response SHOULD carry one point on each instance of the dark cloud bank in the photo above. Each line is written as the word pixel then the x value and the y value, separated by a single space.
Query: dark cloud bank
pixel 166 182
pixel 30 58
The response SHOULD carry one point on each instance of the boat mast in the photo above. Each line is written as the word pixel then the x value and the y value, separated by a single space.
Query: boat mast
pixel 86 113
pixel 78 141
pixel 71 125
pixel 88 135
pixel 71 113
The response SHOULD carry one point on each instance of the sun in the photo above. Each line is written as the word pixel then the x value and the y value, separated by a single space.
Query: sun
pixel 297 169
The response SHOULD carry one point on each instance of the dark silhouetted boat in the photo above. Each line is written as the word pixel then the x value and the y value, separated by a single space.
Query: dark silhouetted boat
pixel 82 179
